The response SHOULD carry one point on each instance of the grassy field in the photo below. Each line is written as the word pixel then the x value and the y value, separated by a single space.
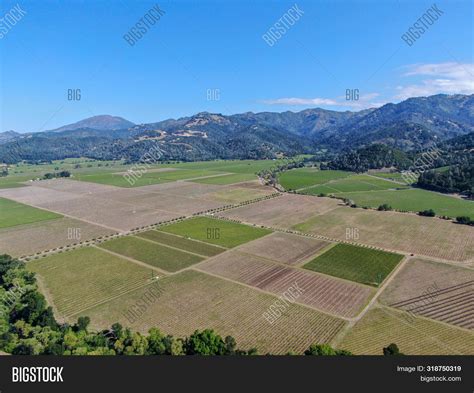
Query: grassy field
pixel 227 179
pixel 414 336
pixel 192 300
pixel 219 232
pixel 83 278
pixel 150 177
pixel 154 254
pixel 354 183
pixel 232 166
pixel 13 213
pixel 414 200
pixel 396 176
pixel 182 243
pixel 110 172
pixel 354 263
pixel 305 177
pixel 374 190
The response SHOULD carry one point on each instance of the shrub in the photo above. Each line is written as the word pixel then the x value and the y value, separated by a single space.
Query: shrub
pixel 427 213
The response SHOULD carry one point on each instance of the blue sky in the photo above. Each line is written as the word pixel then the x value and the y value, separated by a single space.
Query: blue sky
pixel 329 47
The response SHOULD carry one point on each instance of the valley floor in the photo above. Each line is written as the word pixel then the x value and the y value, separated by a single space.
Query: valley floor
pixel 277 271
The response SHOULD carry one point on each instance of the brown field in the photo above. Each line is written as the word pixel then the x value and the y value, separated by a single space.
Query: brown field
pixel 180 188
pixel 109 213
pixel 397 231
pixel 253 184
pixel 181 205
pixel 233 194
pixel 192 300
pixel 34 195
pixel 74 186
pixel 282 212
pixel 416 336
pixel 325 293
pixel 41 236
pixel 434 290
pixel 284 247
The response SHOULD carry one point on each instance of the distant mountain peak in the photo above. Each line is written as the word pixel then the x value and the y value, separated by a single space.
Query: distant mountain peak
pixel 100 122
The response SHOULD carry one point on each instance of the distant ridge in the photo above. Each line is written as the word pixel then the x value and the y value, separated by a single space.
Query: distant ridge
pixel 100 122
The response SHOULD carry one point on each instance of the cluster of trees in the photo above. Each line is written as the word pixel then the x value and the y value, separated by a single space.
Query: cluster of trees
pixel 457 178
pixel 50 175
pixel 427 213
pixel 270 175
pixel 374 156
pixel 28 327
pixel 466 220
pixel 456 154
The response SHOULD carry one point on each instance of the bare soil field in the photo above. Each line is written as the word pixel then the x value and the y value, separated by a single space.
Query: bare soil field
pixel 397 231
pixel 415 336
pixel 434 290
pixel 180 188
pixel 34 195
pixel 181 205
pixel 282 212
pixel 192 300
pixel 322 292
pixel 75 186
pixel 109 213
pixel 83 278
pixel 253 184
pixel 284 247
pixel 231 195
pixel 41 236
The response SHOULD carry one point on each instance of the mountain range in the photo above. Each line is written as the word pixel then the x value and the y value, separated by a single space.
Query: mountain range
pixel 409 125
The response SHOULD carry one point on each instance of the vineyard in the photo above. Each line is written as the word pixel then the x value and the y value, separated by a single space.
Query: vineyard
pixel 434 290
pixel 322 292
pixel 191 300
pixel 284 247
pixel 80 279
pixel 413 335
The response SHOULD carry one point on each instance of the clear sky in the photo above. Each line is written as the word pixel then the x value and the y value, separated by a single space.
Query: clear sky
pixel 327 47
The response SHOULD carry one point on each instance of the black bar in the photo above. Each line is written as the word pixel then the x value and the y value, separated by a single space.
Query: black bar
pixel 247 374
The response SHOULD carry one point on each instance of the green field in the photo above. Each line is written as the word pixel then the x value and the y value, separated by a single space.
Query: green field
pixel 232 166
pixel 86 277
pixel 354 183
pixel 395 176
pixel 220 232
pixel 13 213
pixel 150 177
pixel 110 172
pixel 414 200
pixel 295 179
pixel 354 263
pixel 11 184
pixel 182 243
pixel 227 179
pixel 154 254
